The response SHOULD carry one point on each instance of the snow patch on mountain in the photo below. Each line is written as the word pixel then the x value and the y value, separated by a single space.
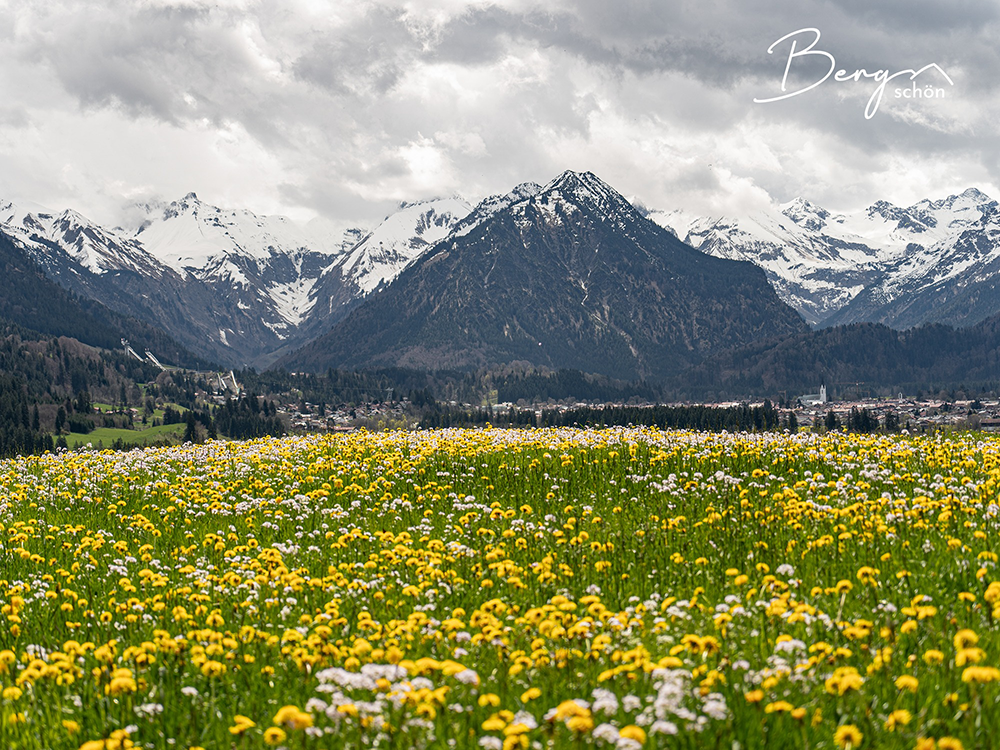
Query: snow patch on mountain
pixel 399 240
pixel 293 299
pixel 494 204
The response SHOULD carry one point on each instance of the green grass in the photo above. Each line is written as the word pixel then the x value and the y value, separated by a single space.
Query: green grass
pixel 157 412
pixel 108 435
pixel 550 589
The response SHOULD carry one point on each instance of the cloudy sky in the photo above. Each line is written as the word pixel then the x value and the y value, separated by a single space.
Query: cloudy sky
pixel 342 109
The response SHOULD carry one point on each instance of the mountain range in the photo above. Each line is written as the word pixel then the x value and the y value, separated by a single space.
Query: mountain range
pixel 569 274
pixel 230 285
pixel 566 275
pixel 929 262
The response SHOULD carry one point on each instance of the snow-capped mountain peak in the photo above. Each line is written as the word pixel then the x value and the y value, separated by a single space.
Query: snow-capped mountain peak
pixel 399 240
pixel 806 214
pixel 493 204
pixel 968 198
pixel 194 237
pixel 246 283
pixel 815 262
pixel 584 189
pixel 576 192
pixel 881 256
pixel 95 248
pixel 13 214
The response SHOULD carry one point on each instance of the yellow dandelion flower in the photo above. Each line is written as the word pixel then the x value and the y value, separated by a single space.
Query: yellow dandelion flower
pixel 632 732
pixel 964 639
pixel 847 736
pixel 494 724
pixel 580 724
pixel 241 724
pixel 980 674
pixel 274 736
pixel 898 718
pixel 933 656
pixel 293 718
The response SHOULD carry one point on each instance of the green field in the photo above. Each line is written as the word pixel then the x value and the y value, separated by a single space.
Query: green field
pixel 543 589
pixel 108 435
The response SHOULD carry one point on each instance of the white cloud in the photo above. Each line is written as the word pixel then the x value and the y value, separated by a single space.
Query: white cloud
pixel 339 109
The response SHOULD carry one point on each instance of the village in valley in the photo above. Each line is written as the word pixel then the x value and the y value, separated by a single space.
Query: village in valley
pixel 817 412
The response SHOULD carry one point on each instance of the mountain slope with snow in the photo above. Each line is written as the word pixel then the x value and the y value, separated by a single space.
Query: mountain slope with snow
pixel 814 273
pixel 860 266
pixel 242 288
pixel 955 280
pixel 265 263
pixel 95 248
pixel 494 203
pixel 232 285
pixel 568 276
pixel 399 240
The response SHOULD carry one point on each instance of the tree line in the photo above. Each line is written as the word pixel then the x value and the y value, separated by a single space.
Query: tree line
pixel 743 418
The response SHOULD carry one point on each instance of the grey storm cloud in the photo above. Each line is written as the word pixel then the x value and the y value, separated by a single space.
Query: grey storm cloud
pixel 343 109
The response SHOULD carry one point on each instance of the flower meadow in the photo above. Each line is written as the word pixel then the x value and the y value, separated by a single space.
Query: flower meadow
pixel 566 588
